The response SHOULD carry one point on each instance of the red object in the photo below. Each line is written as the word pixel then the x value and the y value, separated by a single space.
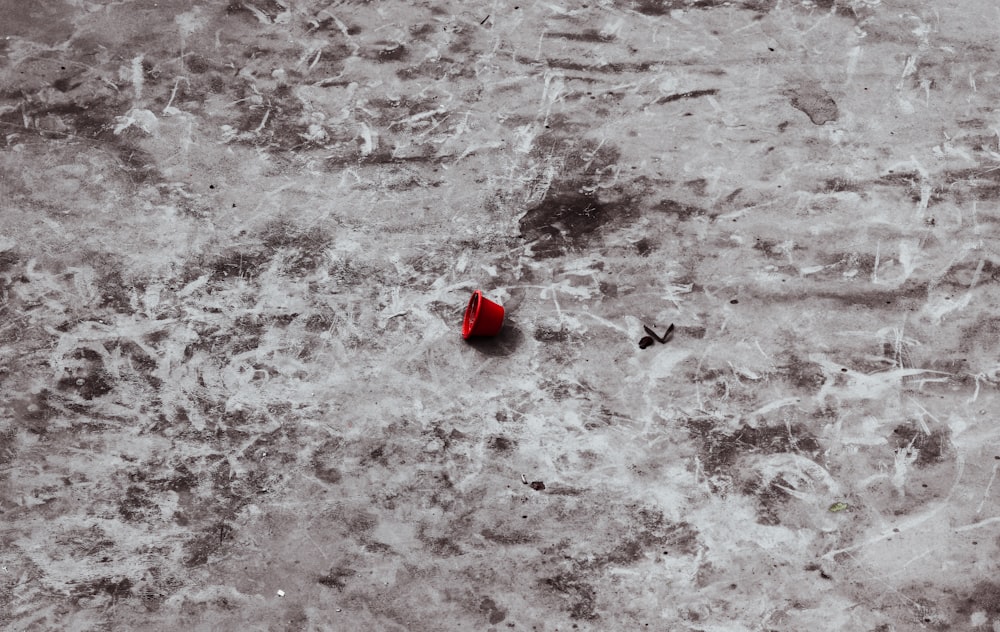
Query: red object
pixel 483 317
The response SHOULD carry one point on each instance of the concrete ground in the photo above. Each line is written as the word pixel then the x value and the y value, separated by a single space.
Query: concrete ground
pixel 236 243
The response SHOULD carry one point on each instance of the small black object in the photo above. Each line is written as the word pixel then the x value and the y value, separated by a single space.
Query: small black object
pixel 537 485
pixel 645 342
pixel 484 20
pixel 661 339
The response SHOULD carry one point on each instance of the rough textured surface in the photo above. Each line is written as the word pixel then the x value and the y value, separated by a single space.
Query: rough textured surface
pixel 236 239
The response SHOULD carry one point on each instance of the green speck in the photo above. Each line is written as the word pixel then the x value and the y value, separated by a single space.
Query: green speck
pixel 837 507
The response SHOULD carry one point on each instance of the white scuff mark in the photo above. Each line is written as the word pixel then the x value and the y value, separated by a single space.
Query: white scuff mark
pixel 674 292
pixel 474 148
pixel 260 15
pixel 410 120
pixel 552 92
pixel 986 492
pixel 263 122
pixel 976 525
pixel 878 252
pixel 193 286
pixel 743 371
pixel 939 305
pixel 814 269
pixel 775 405
pixel 905 457
pixel 137 76
pixel 369 140
pixel 798 469
pixel 926 85
pixel 861 385
pixel 852 61
pixel 908 250
pixel 524 138
pixel 189 23
pixel 972 81
pixel 905 106
pixel 142 119
pixel 169 109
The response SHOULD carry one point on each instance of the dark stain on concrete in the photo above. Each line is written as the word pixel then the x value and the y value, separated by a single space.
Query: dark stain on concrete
pixel 693 94
pixel 664 7
pixel 579 596
pixel 592 36
pixel 721 450
pixel 564 218
pixel 494 613
pixel 933 447
pixel 336 577
pixel 391 53
pixel 816 103
pixel 678 209
pixel 984 597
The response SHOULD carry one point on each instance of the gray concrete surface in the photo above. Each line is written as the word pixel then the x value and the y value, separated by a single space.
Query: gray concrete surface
pixel 236 240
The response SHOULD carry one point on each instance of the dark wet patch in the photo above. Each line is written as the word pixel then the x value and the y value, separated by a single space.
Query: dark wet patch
pixel 278 122
pixel 649 533
pixel 508 536
pixel 441 546
pixel 326 462
pixel 307 245
pixel 550 334
pixel 721 450
pixel 269 8
pixel 238 264
pixel 564 218
pixel 136 506
pixel 501 444
pixel 336 577
pixel 116 292
pixel 693 94
pixel 117 588
pixel 199 549
pixel 137 358
pixel 505 343
pixel 34 413
pixel 681 211
pixel 588 35
pixel 932 447
pixel 8 449
pixel 911 295
pixel 391 53
pixel 770 497
pixel 664 7
pixel 978 184
pixel 87 377
pixel 494 613
pixel 579 596
pixel 804 374
pixel 816 103
pixel 838 185
pixel 596 66
pixel 984 597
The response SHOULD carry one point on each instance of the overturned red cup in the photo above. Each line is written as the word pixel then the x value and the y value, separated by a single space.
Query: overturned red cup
pixel 483 317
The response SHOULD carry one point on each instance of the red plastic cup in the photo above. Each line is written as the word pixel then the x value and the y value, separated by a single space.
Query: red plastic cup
pixel 483 317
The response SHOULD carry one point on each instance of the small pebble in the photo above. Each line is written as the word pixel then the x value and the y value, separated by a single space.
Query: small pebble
pixel 645 342
pixel 537 485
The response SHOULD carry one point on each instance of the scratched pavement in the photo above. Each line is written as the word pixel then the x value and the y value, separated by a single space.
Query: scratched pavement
pixel 237 239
